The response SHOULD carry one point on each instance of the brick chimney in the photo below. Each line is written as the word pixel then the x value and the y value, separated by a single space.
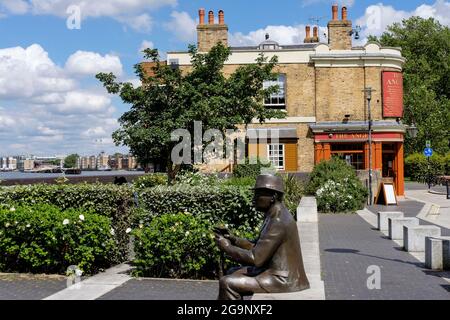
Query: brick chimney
pixel 315 37
pixel 308 34
pixel 339 31
pixel 208 35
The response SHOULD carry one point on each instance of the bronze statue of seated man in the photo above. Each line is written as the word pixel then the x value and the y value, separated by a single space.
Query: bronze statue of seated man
pixel 273 263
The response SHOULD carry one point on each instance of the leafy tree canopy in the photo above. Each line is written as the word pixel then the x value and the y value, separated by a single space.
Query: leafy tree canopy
pixel 425 44
pixel 71 161
pixel 173 98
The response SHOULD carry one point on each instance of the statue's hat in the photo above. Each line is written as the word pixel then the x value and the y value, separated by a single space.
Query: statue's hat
pixel 270 182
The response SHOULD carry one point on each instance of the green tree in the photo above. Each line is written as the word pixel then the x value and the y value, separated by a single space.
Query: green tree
pixel 425 44
pixel 71 161
pixel 171 99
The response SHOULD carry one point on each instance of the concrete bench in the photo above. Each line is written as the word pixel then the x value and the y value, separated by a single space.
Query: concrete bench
pixel 437 253
pixel 414 237
pixel 396 226
pixel 383 217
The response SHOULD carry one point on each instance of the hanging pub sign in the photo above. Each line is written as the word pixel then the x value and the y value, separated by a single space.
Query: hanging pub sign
pixel 392 94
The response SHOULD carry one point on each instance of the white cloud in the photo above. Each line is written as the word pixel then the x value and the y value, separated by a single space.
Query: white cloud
pixel 125 11
pixel 141 23
pixel 183 26
pixel 30 72
pixel 284 35
pixel 91 63
pixel 79 102
pixel 46 109
pixel 379 16
pixel 144 45
pixel 348 3
pixel 6 122
pixel 97 132
pixel 16 6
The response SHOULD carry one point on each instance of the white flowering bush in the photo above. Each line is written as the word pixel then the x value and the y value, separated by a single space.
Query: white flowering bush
pixel 336 187
pixel 108 200
pixel 44 239
pixel 342 196
pixel 178 246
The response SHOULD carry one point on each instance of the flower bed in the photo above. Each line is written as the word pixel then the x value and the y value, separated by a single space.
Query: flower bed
pixel 45 239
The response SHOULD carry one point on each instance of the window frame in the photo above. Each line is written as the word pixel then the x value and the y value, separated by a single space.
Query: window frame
pixel 279 157
pixel 268 103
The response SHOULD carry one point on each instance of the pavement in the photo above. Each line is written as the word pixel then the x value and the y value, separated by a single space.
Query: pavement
pixel 350 247
pixel 29 287
pixel 342 254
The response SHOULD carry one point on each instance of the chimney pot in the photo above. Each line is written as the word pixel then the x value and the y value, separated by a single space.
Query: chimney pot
pixel 344 13
pixel 221 17
pixel 201 15
pixel 308 34
pixel 211 17
pixel 335 12
pixel 316 32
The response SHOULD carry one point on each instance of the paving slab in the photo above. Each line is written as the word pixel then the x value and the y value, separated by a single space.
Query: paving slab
pixel 29 287
pixel 350 247
pixel 164 289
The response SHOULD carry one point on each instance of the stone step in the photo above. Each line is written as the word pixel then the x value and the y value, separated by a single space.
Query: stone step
pixel 414 237
pixel 383 217
pixel 437 253
pixel 396 226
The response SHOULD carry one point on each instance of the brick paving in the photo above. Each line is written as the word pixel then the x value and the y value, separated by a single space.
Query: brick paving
pixel 349 245
pixel 154 289
pixel 29 287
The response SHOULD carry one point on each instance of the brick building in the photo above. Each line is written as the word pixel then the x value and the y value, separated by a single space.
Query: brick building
pixel 322 85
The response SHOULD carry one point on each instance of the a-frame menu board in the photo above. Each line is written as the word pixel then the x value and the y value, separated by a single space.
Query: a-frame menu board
pixel 386 195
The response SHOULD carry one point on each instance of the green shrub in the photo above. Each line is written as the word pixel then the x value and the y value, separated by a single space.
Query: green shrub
pixel 109 200
pixel 176 246
pixel 150 180
pixel 232 205
pixel 246 182
pixel 179 246
pixel 294 190
pixel 447 164
pixel 44 239
pixel 416 167
pixel 251 168
pixel 346 196
pixel 336 187
pixel 196 179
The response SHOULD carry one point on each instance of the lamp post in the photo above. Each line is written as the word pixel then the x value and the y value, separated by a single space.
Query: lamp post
pixel 368 92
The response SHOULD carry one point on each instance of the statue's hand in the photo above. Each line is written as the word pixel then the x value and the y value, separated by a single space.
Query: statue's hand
pixel 222 242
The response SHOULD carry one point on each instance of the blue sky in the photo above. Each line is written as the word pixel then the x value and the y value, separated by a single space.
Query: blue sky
pixel 50 102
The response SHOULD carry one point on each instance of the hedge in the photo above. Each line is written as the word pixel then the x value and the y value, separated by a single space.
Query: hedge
pixel 218 204
pixel 112 201
pixel 44 239
pixel 416 167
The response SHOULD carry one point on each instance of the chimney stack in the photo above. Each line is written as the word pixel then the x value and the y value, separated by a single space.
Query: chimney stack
pixel 209 35
pixel 315 34
pixel 201 15
pixel 340 31
pixel 221 17
pixel 211 17
pixel 308 34
pixel 335 12
pixel 344 13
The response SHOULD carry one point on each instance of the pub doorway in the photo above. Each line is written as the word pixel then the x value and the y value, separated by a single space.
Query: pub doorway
pixel 388 162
